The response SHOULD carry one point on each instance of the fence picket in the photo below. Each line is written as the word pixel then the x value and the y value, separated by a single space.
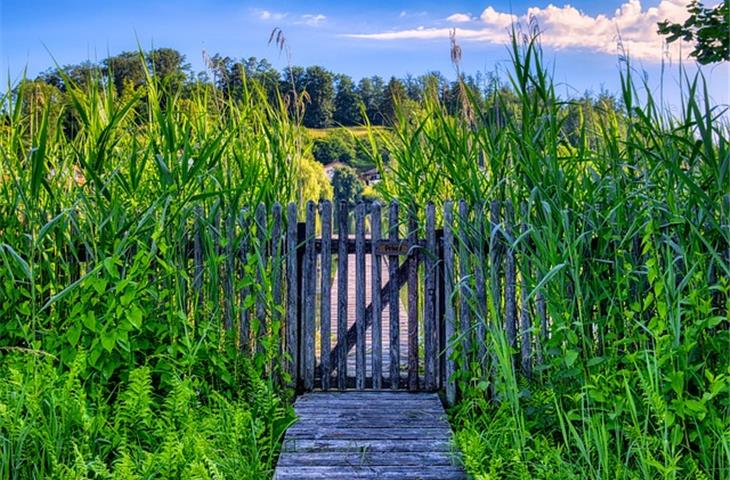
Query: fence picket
pixel 377 320
pixel 342 296
pixel 429 324
pixel 525 320
pixel 510 300
pixel 412 301
pixel 394 300
pixel 360 295
pixel 244 334
pixel 292 331
pixel 262 256
pixel 326 294
pixel 309 272
pixel 449 330
pixel 465 322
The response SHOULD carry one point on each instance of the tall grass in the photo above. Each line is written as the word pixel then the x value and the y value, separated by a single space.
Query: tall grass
pixel 627 233
pixel 99 299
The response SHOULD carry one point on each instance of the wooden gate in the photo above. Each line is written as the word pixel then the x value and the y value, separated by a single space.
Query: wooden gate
pixel 388 251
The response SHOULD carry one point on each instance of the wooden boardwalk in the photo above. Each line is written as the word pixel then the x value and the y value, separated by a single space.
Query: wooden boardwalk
pixel 369 434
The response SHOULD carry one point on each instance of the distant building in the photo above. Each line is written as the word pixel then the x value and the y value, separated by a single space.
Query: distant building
pixel 370 177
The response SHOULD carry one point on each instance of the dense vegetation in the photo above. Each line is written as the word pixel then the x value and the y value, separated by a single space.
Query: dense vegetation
pixel 115 371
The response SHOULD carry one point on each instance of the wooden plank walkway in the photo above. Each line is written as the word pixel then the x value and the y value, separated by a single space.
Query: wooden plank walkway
pixel 371 434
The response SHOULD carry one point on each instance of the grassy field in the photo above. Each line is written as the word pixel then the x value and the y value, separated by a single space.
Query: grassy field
pixel 110 368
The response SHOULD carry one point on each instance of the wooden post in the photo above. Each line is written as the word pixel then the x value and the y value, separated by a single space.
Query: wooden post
pixel 229 272
pixel 510 301
pixel 292 274
pixel 449 305
pixel 342 297
pixel 412 301
pixel 261 252
pixel 326 293
pixel 525 321
pixel 429 323
pixel 480 279
pixel 377 315
pixel 276 274
pixel 360 295
pixel 309 272
pixel 394 301
pixel 465 323
pixel 244 334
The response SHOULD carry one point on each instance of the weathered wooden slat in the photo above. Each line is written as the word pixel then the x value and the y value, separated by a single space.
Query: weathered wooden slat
pixel 464 273
pixel 370 445
pixel 276 260
pixel 244 333
pixel 510 280
pixel 341 349
pixel 394 300
pixel 377 317
pixel 480 279
pixel 449 315
pixel 360 295
pixel 229 272
pixel 262 256
pixel 292 298
pixel 326 294
pixel 198 253
pixel 412 301
pixel 429 324
pixel 381 472
pixel 309 273
pixel 345 433
pixel 495 275
pixel 367 459
pixel 525 321
pixel 354 395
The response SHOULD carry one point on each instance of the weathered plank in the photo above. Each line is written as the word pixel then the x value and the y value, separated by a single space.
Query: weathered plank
pixel 292 331
pixel 379 472
pixel 449 314
pixel 262 254
pixel 464 273
pixel 309 273
pixel 326 292
pixel 229 272
pixel 412 302
pixel 429 323
pixel 377 318
pixel 341 349
pixel 360 295
pixel 510 283
pixel 394 300
pixel 525 321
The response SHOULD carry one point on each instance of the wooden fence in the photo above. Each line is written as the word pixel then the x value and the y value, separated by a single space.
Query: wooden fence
pixel 427 286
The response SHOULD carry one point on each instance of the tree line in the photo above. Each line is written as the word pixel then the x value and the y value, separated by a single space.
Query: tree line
pixel 331 99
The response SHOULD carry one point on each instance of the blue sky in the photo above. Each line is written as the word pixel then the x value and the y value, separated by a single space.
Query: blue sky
pixel 354 37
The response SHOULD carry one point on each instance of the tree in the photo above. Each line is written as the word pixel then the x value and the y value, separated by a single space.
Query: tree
pixel 708 28
pixel 321 93
pixel 125 68
pixel 338 146
pixel 371 92
pixel 346 186
pixel 347 102
pixel 169 66
pixel 395 95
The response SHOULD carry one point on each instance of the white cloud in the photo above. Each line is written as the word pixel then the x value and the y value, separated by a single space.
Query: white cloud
pixel 566 28
pixel 313 20
pixel 459 18
pixel 269 15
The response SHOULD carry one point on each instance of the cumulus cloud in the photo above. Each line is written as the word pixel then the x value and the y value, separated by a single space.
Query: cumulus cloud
pixel 459 18
pixel 566 28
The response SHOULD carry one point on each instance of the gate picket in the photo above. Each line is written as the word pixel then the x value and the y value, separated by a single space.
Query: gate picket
pixel 360 295
pixel 326 294
pixel 394 300
pixel 377 317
